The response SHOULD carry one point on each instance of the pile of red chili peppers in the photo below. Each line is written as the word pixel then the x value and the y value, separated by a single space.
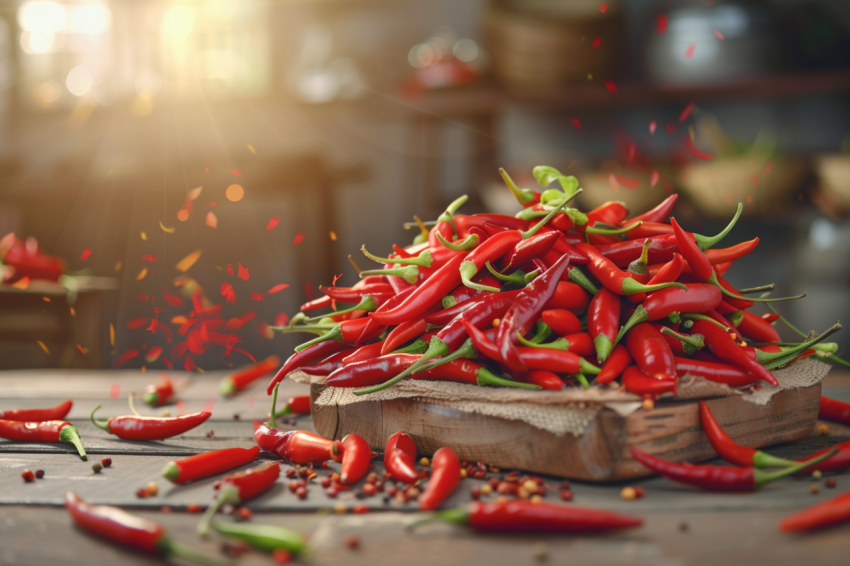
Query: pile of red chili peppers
pixel 549 298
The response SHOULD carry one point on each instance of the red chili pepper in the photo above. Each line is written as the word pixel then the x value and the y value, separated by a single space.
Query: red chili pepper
pixel 837 463
pixel 159 395
pixel 241 379
pixel 373 328
pixel 696 259
pixel 651 352
pixel 733 452
pixel 739 304
pixel 543 379
pixel 465 223
pixel 208 464
pixel 667 272
pixel 834 411
pixel 299 405
pixel 613 278
pixel 732 253
pixel 331 363
pixel 558 361
pixel 482 314
pixel 375 371
pixel 522 313
pixel 445 477
pixel 756 328
pixel 30 261
pixel 357 293
pixel 445 316
pixel 531 248
pixel 526 197
pixel 724 347
pixel 399 458
pixel 563 247
pixel 133 427
pixel 611 213
pixel 316 304
pixel 314 353
pixel 661 250
pixel 366 352
pixel 569 296
pixel 770 317
pixel 579 343
pixel 648 230
pixel 527 516
pixel 239 487
pixel 716 372
pixel 43 431
pixel 355 459
pixel 616 364
pixel 695 298
pixel 407 331
pixel 128 530
pixel 467 371
pixel 635 381
pixel 714 478
pixel 825 514
pixel 37 415
pixel 658 214
pixel 603 321
pixel 561 321
pixel 462 294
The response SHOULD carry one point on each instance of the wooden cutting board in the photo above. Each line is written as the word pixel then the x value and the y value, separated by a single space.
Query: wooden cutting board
pixel 671 431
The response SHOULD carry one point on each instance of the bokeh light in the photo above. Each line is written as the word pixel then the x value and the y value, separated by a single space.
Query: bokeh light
pixel 79 80
pixel 178 23
pixel 234 193
pixel 42 17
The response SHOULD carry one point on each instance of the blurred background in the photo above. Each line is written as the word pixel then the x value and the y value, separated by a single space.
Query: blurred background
pixel 269 139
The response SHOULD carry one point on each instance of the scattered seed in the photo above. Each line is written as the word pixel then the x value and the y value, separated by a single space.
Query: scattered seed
pixel 39 474
pixel 236 416
pixel 340 509
pixel 245 514
pixel 817 475
pixel 640 492
pixel 210 434
pixel 97 467
pixel 463 472
pixel 370 489
pixel 301 492
pixel 487 489
pixel 28 476
pixel 193 508
pixel 281 556
pixel 151 489
pixel 830 483
pixel 648 404
pixel 540 551
pixel 566 495
pixel 141 493
pixel 823 430
pixel 683 527
pixel 107 462
pixel 815 489
pixel 235 550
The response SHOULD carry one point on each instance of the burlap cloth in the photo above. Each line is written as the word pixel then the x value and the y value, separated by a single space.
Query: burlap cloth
pixel 568 411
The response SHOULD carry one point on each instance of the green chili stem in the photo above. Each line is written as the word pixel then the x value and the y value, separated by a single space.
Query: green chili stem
pixel 436 349
pixel 780 358
pixel 611 232
pixel 713 280
pixel 580 377
pixel 467 272
pixel 761 478
pixel 273 415
pixel 697 316
pixel 226 494
pixel 705 242
pixel 467 244
pixel 695 341
pixel 97 424
pixel 367 304
pixel 769 287
pixel 466 350
pixel 486 377
pixel 409 273
pixel 523 196
pixel 422 260
pixel 579 278
pixel 785 321
pixel 541 332
pixel 409 225
pixel 517 277
pixel 420 346
pixel 333 334
pixel 536 228
pixel 172 547
pixel 71 434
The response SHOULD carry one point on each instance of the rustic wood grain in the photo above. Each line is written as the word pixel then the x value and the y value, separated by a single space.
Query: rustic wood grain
pixel 671 430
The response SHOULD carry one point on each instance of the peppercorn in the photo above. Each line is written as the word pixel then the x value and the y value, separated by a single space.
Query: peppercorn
pixel 830 483
pixel 424 461
pixel 107 462
pixel 648 404
pixel 370 489
pixel 475 493
pixel 39 474
pixel 372 478
pixel 359 509
pixel 290 473
pixel 28 476
pixel 281 556
pixel 823 430
pixel 463 473
pixel 331 492
pixel 97 467
pixel 628 493
pixel 536 498
pixel 165 509
pixel 683 527
pixel 193 508
pixel 566 495
pixel 486 489
pixel 245 514
pixel 151 489
pixel 817 475
pixel 141 493
pixel 326 482
pixel 340 508
pixel 352 542
pixel 639 492
pixel 301 492
pixel 815 489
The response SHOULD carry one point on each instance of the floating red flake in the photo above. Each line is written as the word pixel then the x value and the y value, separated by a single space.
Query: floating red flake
pixel 153 354
pixel 768 167
pixel 755 181
pixel 192 195
pixel 719 35
pixel 695 151
pixel 172 300
pixel 596 42
pixel 575 122
pixel 167 363
pixel 243 273
pixel 258 297
pixel 310 290
pixel 281 319
pixel 652 127
pixel 689 52
pixel 212 220
pixel 86 253
pixel 686 112
pixel 81 349
pixel 208 405
pixel 143 297
pixel 278 288
pixel 236 172
pixel 150 258
pixel 663 20
pixel 181 405
pixel 603 8
pixel 299 237
pixel 128 355
pixel 609 84
pixel 653 179
pixel 670 128
pixel 115 389
pixel 138 322
pixel 228 293
pixel 264 330
pixel 273 221
pixel 625 182
pixel 206 169
pixel 230 269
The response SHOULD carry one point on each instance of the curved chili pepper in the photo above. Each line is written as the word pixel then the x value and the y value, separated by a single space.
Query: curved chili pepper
pixel 603 320
pixel 268 538
pixel 543 379
pixel 299 405
pixel 489 308
pixel 42 431
pixel 407 331
pixel 569 296
pixel 208 464
pixel 366 352
pixel 716 478
pixel 667 272
pixel 648 230
pixel 314 353
pixel 399 458
pixel 696 297
pixel 611 213
pixel 558 361
pixel 159 395
pixel 527 516
pixel 615 365
pixel 464 223
pixel 756 328
pixel 526 197
pixel 447 315
pixel 834 411
pixel 445 225
pixel 680 344
pixel 241 379
pixel 696 260
pixel 612 277
pixel 837 463
pixel 357 293
pixel 347 331
pixel 724 347
pixel 133 427
pixel 520 315
pixel 366 373
pixel 128 530
pixel 316 304
pixel 661 250
pixel 331 363
pixel 445 477
pixel 716 372
pixel 579 343
pixel 37 415
pixel 467 371
pixel 825 514
pixel 739 304
pixel 651 352
pixel 240 487
pixel 561 321
pixel 637 382
pixel 730 450
pixel 355 459
pixel 526 250
pixel 657 214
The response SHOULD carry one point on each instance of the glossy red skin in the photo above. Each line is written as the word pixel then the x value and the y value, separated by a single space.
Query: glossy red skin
pixel 356 294
pixel 370 372
pixel 522 314
pixel 297 446
pixel 661 250
pixel 314 353
pixel 756 328
pixel 834 411
pixel 725 255
pixel 366 352
pixel 712 478
pixel 352 330
pixel 251 483
pixel 37 415
pixel 116 525
pixel 464 223
pixel 725 447
pixel 603 316
pixel 244 377
pixel 403 333
pixel 712 371
pixel 212 463
pixel 447 315
pixel 827 513
pixel 837 463
pixel 329 364
pixel 635 381
pixel 445 229
pixel 299 405
pixel 445 477
pixel 674 343
pixel 651 352
pixel 530 248
pixel 370 331
pixel 400 457
pixel 696 260
pixel 483 345
pixel 724 347
pixel 698 298
pixel 725 308
pixel 355 459
pixel 581 343
pixel 481 315
pixel 658 214
pixel 526 516
pixel 713 314
pixel 739 304
pixel 611 213
pixel 132 427
pixel 33 265
pixel 316 304
pixel 545 379
pixel 164 391
pixel 459 371
pixel 43 431
pixel 550 359
pixel 604 270
pixel 615 365
pixel 668 272
pixel 648 230
pixel 569 296
pixel 561 321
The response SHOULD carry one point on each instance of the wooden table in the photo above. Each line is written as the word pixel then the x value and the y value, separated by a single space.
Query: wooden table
pixel 683 526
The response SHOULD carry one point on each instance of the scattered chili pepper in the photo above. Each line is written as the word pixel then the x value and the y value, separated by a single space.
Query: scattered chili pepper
pixel 355 459
pixel 159 395
pixel 834 411
pixel 134 427
pixel 27 476
pixel 56 413
pixel 299 405
pixel 268 538
pixel 238 381
pixel 208 464
pixel 839 462
pixel 445 477
pixel 615 365
pixel 651 352
pixel 305 357
pixel 612 277
pixel 733 452
pixel 825 514
pixel 44 431
pixel 239 487
pixel 400 458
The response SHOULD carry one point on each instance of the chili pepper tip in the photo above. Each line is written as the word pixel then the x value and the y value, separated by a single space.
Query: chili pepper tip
pixel 151 398
pixel 226 387
pixel 171 471
pixel 71 434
